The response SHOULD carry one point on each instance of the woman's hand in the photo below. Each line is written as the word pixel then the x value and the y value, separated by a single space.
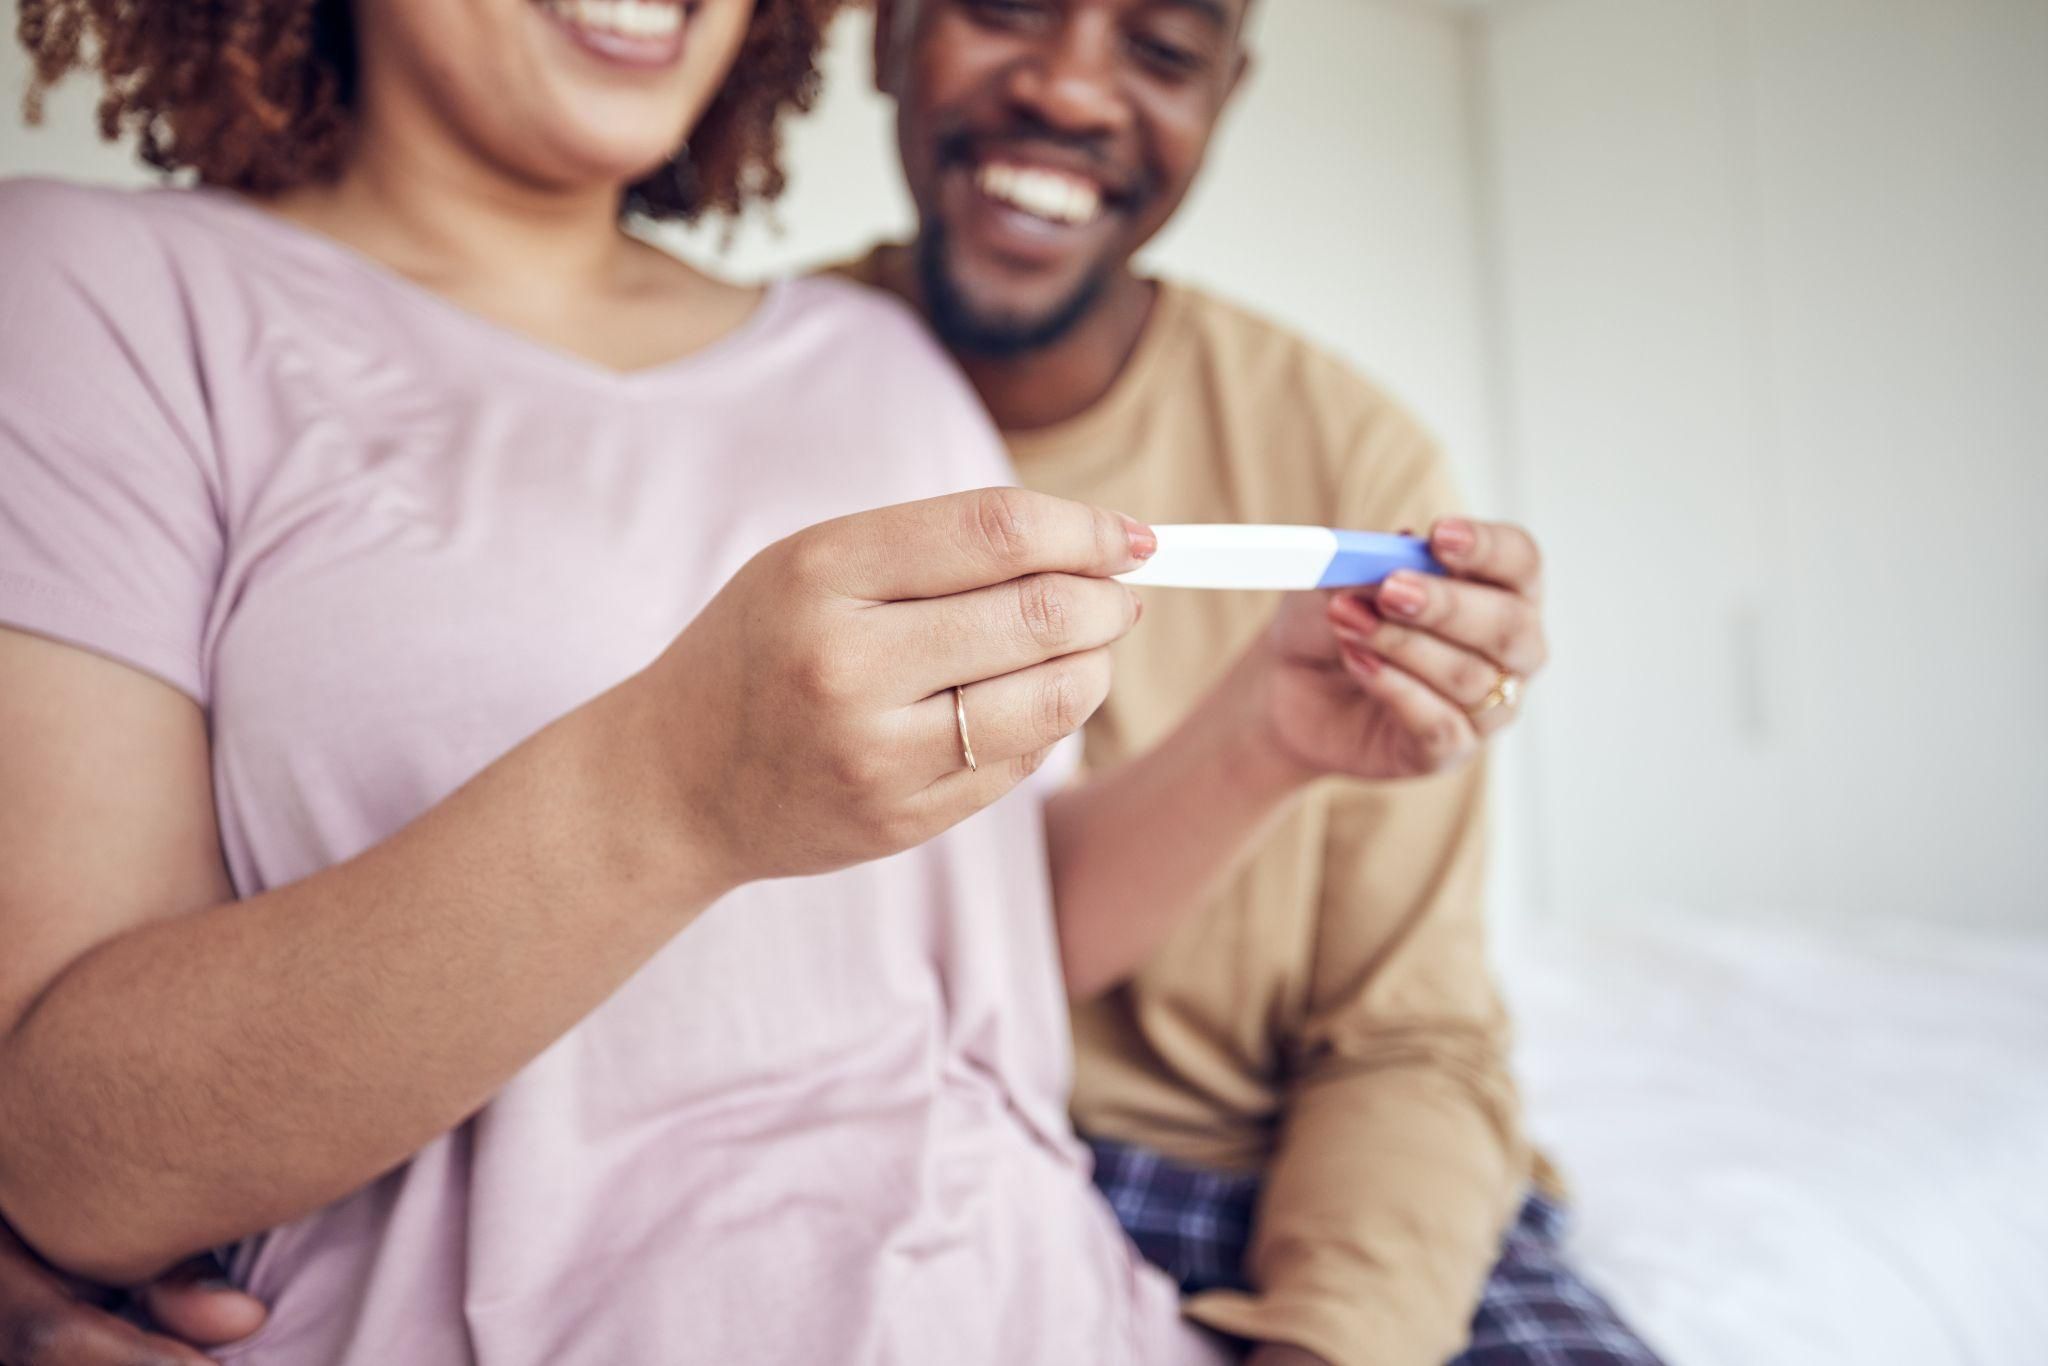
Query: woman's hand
pixel 50 1319
pixel 1407 679
pixel 806 719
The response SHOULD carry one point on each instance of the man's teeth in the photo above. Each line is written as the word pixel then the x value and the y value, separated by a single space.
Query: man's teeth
pixel 1042 194
pixel 627 18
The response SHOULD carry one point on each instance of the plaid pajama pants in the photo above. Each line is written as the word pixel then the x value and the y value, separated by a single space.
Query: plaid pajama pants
pixel 1535 1311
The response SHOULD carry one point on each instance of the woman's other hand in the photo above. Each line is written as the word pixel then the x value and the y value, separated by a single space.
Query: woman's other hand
pixel 50 1319
pixel 1411 677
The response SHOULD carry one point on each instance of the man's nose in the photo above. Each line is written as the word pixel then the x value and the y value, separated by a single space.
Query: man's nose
pixel 1072 83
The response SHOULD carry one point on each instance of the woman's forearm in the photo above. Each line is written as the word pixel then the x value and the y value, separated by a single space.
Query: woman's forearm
pixel 199 1079
pixel 1137 847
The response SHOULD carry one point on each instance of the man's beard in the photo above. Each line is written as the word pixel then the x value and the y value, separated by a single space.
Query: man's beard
pixel 994 337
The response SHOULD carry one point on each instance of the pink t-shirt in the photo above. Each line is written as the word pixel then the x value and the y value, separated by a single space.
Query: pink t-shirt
pixel 382 541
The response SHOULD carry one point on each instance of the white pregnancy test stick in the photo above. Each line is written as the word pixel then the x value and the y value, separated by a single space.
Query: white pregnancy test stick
pixel 1284 557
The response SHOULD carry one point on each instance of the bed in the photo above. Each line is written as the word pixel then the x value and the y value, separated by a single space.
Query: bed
pixel 1799 1145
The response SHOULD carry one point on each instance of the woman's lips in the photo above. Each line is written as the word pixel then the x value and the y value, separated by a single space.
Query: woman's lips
pixel 642 33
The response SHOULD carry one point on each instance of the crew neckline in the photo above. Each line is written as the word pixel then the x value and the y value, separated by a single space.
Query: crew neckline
pixel 1072 440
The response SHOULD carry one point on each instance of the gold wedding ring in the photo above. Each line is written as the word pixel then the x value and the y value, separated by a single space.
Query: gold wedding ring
pixel 960 720
pixel 1507 690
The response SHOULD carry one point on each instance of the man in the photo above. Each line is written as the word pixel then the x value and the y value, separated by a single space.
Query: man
pixel 1321 1043
pixel 1301 1105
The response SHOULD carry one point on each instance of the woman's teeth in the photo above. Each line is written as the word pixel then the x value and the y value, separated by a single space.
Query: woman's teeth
pixel 626 18
pixel 1050 195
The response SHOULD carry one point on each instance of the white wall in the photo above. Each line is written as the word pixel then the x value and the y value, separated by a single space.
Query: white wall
pixel 1776 329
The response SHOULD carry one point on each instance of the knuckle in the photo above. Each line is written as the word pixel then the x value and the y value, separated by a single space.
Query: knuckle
pixel 1046 611
pixel 1000 520
pixel 1112 538
pixel 1470 680
pixel 823 676
pixel 1509 641
pixel 808 557
pixel 860 770
pixel 1440 609
pixel 1060 704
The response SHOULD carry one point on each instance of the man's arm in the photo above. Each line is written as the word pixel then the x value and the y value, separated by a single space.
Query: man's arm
pixel 1400 1160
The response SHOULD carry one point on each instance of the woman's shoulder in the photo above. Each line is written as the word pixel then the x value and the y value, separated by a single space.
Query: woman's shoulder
pixel 119 255
pixel 46 222
pixel 877 353
pixel 99 303
pixel 875 339
pixel 883 323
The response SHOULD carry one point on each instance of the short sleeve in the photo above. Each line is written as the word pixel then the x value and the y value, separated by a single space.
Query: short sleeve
pixel 1393 476
pixel 110 535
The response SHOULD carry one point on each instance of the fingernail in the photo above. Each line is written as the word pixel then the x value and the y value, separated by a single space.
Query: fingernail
pixel 1365 660
pixel 1350 638
pixel 1402 597
pixel 1355 612
pixel 1143 540
pixel 1137 609
pixel 1455 537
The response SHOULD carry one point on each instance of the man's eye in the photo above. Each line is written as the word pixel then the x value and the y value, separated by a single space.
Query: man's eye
pixel 1008 13
pixel 1166 57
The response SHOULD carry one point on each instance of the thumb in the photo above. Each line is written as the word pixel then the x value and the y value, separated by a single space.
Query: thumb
pixel 195 1303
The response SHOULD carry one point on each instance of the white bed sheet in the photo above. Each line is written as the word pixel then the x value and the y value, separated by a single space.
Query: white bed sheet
pixel 1797 1146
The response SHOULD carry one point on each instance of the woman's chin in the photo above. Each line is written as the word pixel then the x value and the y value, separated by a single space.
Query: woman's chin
pixel 593 163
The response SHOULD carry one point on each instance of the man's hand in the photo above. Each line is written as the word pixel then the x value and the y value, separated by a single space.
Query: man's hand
pixel 50 1319
pixel 1409 678
pixel 1282 1354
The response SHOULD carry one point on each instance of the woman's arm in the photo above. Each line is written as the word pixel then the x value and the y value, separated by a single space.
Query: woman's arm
pixel 178 1070
pixel 181 1069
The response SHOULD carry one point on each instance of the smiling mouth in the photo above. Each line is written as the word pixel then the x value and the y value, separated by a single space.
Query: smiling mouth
pixel 634 32
pixel 1059 198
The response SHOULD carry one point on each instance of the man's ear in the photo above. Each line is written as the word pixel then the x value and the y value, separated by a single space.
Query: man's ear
pixel 1241 69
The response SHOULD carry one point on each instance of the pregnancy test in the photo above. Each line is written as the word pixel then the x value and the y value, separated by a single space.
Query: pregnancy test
pixel 1285 557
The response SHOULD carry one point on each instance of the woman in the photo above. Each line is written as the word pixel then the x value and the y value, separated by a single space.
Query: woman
pixel 494 832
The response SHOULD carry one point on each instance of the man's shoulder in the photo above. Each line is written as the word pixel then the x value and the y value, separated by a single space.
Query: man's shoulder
pixel 1273 363
pixel 868 268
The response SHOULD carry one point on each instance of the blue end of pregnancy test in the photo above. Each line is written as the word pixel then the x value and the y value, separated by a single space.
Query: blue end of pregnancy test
pixel 1367 557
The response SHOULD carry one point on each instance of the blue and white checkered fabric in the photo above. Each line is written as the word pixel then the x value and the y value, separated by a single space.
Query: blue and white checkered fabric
pixel 1535 1310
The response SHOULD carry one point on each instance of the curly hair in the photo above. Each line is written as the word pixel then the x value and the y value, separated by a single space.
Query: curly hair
pixel 256 95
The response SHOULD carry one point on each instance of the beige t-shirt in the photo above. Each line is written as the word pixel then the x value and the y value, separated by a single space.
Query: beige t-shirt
pixel 1329 1015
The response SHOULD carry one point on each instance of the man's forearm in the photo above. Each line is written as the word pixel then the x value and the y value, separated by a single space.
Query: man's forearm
pixel 1422 1141
pixel 1136 848
pixel 205 1077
